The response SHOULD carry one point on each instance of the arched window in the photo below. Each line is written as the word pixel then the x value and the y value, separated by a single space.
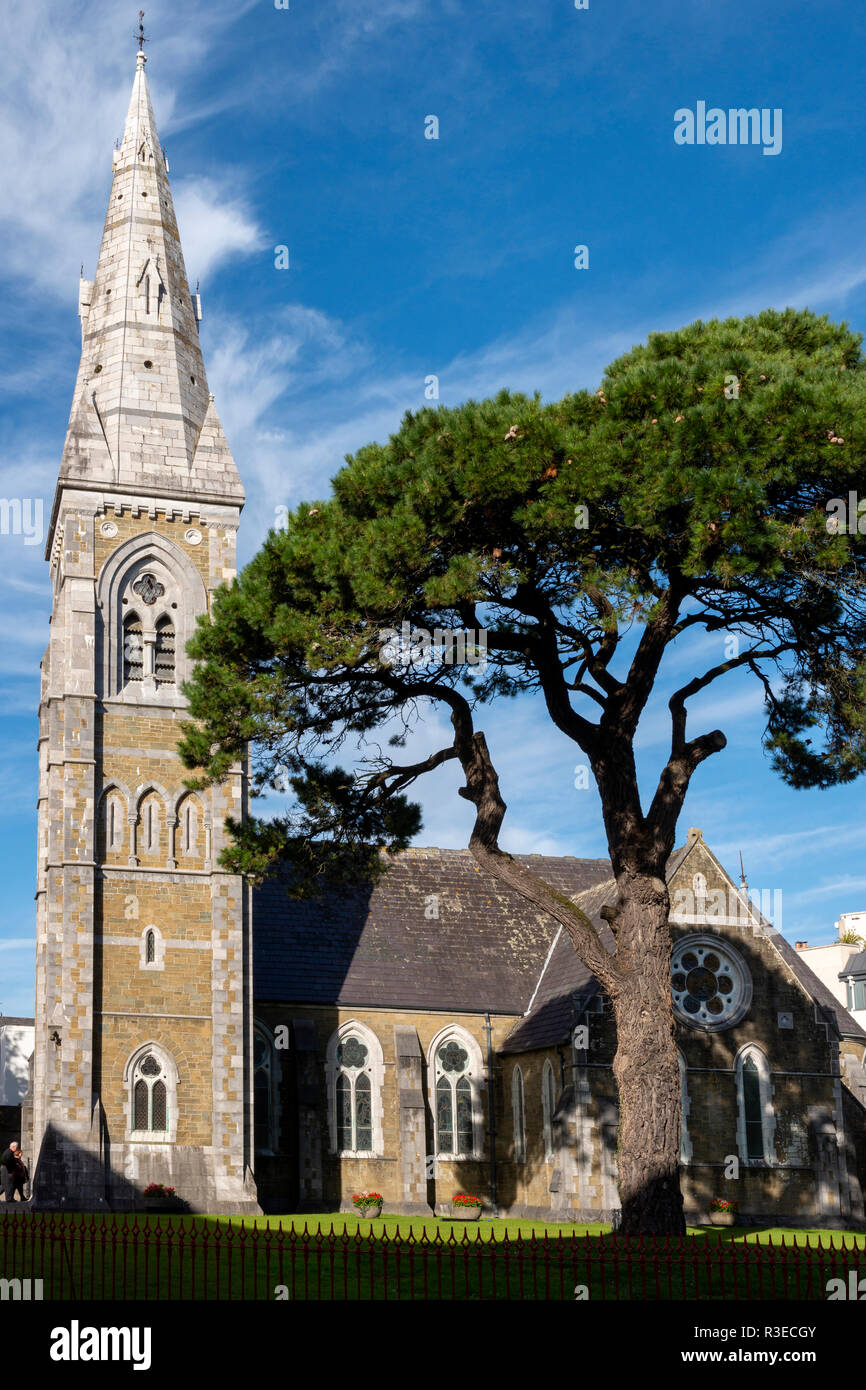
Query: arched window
pixel 355 1078
pixel 548 1107
pixel 756 1122
pixel 164 652
pixel 150 594
pixel 517 1110
pixel 685 1107
pixel 354 1098
pixel 150 1096
pixel 133 649
pixel 455 1071
pixel 152 949
pixel 263 1092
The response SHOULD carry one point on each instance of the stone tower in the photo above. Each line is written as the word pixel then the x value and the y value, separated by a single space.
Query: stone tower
pixel 143 984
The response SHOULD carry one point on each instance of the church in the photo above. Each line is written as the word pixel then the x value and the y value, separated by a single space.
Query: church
pixel 428 1035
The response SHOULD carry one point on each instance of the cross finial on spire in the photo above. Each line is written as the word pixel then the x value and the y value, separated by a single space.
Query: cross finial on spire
pixel 140 35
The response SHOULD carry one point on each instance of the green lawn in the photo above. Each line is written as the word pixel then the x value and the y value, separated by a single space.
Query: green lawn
pixel 340 1256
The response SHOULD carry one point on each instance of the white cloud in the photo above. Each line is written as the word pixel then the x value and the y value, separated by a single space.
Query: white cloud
pixel 214 225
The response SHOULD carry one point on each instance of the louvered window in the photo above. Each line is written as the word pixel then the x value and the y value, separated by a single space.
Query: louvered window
pixel 133 650
pixel 164 656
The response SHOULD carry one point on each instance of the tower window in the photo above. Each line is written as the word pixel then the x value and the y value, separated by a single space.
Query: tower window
pixel 150 1096
pixel 164 655
pixel 150 948
pixel 133 649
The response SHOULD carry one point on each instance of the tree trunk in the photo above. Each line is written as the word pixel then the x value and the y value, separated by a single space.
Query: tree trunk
pixel 646 1065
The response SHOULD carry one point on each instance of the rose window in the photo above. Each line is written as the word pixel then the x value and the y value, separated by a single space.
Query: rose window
pixel 710 984
pixel 352 1053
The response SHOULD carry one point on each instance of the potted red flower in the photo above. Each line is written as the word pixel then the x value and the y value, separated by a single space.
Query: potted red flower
pixel 465 1207
pixel 723 1212
pixel 368 1203
pixel 159 1197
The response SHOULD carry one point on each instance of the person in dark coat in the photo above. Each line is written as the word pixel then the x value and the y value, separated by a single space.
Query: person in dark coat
pixel 14 1172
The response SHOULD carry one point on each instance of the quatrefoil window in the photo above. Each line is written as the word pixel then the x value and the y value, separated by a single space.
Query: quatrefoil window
pixel 148 588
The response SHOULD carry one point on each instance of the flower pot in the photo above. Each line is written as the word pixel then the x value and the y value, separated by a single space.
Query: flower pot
pixel 723 1218
pixel 369 1213
pixel 162 1204
pixel 465 1213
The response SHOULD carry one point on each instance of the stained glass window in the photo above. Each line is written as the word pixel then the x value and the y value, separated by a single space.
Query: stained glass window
pixel 548 1097
pixel 148 588
pixel 709 983
pixel 354 1097
pixel 754 1109
pixel 454 1127
pixel 262 1094
pixel 519 1122
pixel 445 1115
pixel 363 1114
pixel 142 1096
pixel 344 1113
pixel 150 1096
pixel 159 1108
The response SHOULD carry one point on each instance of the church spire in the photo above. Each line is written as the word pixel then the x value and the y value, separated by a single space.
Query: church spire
pixel 142 398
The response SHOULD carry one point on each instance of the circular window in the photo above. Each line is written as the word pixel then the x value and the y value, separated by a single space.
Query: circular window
pixel 147 362
pixel 453 1057
pixel 710 984
pixel 352 1053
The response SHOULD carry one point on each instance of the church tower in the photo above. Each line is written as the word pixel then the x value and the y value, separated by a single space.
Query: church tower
pixel 143 985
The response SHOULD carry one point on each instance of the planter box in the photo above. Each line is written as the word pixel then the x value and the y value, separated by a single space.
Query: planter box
pixel 723 1218
pixel 369 1213
pixel 465 1213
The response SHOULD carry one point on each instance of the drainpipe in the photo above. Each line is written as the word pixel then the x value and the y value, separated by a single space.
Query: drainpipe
pixel 491 1102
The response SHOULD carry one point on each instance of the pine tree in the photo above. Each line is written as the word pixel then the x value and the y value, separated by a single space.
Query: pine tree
pixel 586 536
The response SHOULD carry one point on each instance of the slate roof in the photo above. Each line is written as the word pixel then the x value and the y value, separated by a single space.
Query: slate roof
pixel 488 949
pixel 856 966
pixel 485 951
pixel 556 1007
pixel 565 984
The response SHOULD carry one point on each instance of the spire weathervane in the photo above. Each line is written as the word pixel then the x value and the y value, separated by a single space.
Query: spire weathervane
pixel 140 35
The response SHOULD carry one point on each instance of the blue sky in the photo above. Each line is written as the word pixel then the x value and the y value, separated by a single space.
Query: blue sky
pixel 409 257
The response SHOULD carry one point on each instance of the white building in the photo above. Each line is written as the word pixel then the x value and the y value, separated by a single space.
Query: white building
pixel 841 966
pixel 16 1049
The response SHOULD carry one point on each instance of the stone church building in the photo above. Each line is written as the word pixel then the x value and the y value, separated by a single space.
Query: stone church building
pixel 430 1035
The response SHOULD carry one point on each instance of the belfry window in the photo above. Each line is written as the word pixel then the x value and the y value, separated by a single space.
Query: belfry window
pixel 164 655
pixel 149 1096
pixel 133 649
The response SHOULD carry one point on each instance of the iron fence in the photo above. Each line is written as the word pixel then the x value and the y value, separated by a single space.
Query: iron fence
pixel 170 1258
